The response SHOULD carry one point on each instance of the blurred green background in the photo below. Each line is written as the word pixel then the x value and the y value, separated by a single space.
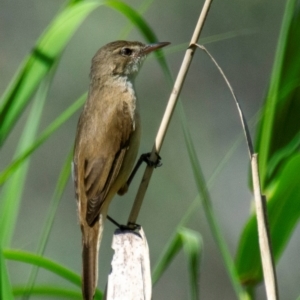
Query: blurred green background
pixel 242 36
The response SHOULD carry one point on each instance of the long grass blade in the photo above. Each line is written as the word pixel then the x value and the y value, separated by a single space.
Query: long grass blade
pixel 141 24
pixel 60 187
pixel 206 201
pixel 192 246
pixel 47 264
pixel 280 123
pixel 5 286
pixel 49 291
pixel 171 249
pixel 55 125
pixel 191 242
pixel 277 143
pixel 141 10
pixel 12 192
pixel 44 55
pixel 284 214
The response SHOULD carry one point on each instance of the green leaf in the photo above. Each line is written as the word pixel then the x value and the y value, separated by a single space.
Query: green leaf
pixel 191 242
pixel 192 245
pixel 146 31
pixel 141 10
pixel 284 214
pixel 282 156
pixel 50 291
pixel 277 143
pixel 170 251
pixel 63 117
pixel 11 195
pixel 142 25
pixel 46 52
pixel 206 201
pixel 54 203
pixel 46 264
pixel 280 119
pixel 5 287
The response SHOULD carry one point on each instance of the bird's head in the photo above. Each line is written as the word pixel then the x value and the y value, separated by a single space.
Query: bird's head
pixel 121 58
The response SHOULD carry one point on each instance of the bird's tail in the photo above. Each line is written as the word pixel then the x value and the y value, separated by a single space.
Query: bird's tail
pixel 91 239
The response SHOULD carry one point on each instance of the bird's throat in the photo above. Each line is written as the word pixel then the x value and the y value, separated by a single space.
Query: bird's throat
pixel 126 84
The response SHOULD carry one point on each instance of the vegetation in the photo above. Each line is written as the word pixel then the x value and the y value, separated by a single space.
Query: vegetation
pixel 277 144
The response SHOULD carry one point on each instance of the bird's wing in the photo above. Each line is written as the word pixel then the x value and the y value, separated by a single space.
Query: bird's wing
pixel 102 165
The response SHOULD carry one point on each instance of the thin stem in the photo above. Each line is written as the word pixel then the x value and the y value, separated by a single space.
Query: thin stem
pixel 168 113
pixel 242 117
pixel 260 203
pixel 264 234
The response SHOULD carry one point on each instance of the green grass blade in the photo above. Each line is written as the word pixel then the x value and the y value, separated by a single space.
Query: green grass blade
pixel 4 175
pixel 171 249
pixel 12 192
pixel 60 187
pixel 192 245
pixel 282 156
pixel 145 29
pixel 164 260
pixel 141 10
pixel 280 118
pixel 229 264
pixel 5 286
pixel 284 214
pixel 212 220
pixel 59 190
pixel 46 52
pixel 191 242
pixel 141 24
pixel 47 264
pixel 50 291
pixel 278 144
pixel 134 17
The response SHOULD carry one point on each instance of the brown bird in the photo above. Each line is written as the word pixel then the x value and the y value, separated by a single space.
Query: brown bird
pixel 106 145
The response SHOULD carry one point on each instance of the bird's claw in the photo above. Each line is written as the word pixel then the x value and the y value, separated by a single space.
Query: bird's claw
pixel 129 226
pixel 146 158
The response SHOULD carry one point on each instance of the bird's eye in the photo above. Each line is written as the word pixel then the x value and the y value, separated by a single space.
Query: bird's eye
pixel 126 51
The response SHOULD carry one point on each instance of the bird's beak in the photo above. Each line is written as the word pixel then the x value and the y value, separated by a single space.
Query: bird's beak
pixel 152 47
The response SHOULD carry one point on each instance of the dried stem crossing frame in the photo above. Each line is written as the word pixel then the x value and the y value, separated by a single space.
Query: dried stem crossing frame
pixel 263 229
pixel 168 113
pixel 260 202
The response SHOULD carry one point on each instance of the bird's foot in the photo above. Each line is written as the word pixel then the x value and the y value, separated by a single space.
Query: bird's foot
pixel 129 226
pixel 146 158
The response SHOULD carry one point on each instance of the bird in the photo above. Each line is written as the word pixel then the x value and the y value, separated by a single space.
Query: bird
pixel 106 144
